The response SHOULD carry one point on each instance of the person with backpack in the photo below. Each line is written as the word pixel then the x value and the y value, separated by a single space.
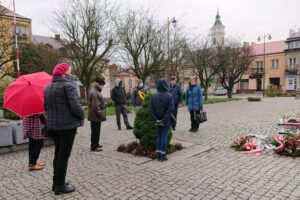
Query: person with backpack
pixel 176 93
pixel 138 96
pixel 161 109
pixel 194 101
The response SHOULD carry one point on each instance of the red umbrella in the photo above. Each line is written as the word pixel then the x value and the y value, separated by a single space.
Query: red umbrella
pixel 25 96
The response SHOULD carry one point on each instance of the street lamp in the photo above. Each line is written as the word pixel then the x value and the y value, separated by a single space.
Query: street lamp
pixel 264 36
pixel 172 21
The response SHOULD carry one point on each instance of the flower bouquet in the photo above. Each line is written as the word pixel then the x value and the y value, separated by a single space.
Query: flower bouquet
pixel 288 145
pixel 288 124
pixel 248 144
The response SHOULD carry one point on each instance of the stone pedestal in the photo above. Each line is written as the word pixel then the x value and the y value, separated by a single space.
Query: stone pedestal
pixel 17 132
pixel 6 138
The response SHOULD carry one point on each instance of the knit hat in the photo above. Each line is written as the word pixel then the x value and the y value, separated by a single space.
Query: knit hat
pixel 60 69
pixel 100 81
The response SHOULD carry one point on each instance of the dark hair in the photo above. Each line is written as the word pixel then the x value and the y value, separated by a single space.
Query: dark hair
pixel 100 81
pixel 173 78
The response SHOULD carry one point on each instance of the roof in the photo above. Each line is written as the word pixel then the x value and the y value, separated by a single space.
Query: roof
pixel 9 13
pixel 218 20
pixel 271 48
pixel 54 43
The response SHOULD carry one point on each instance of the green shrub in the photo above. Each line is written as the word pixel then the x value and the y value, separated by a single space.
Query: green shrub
pixel 110 104
pixel 144 128
pixel 273 91
pixel 83 102
pixel 10 115
pixel 3 84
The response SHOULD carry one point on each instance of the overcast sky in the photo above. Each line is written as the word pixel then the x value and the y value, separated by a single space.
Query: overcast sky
pixel 245 18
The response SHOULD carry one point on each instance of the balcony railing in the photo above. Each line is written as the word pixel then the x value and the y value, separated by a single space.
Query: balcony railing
pixel 257 70
pixel 292 67
pixel 21 36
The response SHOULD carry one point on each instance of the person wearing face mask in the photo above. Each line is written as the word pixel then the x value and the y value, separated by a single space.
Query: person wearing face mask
pixel 176 93
pixel 138 96
pixel 194 101
pixel 118 95
pixel 96 113
pixel 64 115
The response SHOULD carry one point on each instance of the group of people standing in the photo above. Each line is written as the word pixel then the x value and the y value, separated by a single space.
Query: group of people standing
pixel 64 114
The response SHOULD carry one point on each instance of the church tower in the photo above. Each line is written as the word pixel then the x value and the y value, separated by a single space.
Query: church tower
pixel 217 32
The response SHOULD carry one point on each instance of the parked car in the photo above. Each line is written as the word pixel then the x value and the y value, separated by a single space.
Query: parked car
pixel 220 91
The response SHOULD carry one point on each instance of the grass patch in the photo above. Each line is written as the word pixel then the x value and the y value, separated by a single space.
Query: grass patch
pixel 110 111
pixel 219 100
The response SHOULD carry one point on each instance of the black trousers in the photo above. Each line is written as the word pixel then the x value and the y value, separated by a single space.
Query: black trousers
pixel 175 111
pixel 95 135
pixel 35 147
pixel 121 110
pixel 63 141
pixel 194 124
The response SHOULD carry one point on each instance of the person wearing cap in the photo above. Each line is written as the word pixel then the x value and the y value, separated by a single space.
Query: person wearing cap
pixel 118 95
pixel 138 96
pixel 64 115
pixel 176 93
pixel 96 112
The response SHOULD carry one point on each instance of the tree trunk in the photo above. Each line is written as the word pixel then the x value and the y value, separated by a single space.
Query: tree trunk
pixel 229 92
pixel 205 92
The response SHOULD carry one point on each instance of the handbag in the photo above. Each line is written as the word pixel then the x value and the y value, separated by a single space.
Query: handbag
pixel 201 117
pixel 45 132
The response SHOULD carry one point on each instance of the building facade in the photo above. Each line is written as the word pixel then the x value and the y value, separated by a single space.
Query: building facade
pixel 274 71
pixel 292 62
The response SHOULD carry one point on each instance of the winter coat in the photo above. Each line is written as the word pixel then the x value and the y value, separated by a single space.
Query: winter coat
pixel 136 99
pixel 176 93
pixel 194 99
pixel 62 105
pixel 97 112
pixel 162 104
pixel 118 94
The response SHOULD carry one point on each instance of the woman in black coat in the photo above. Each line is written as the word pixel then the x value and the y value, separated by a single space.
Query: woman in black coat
pixel 64 115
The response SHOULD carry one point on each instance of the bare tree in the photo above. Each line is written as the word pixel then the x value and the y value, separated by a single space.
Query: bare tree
pixel 178 52
pixel 6 44
pixel 203 55
pixel 87 25
pixel 142 43
pixel 234 60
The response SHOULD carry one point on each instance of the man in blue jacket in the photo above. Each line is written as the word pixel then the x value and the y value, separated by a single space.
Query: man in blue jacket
pixel 161 108
pixel 176 93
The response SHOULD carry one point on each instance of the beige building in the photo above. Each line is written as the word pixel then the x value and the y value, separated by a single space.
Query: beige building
pixel 274 72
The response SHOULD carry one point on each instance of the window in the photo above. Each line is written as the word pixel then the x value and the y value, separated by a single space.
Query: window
pixel 259 66
pixel 275 64
pixel 295 44
pixel 292 62
pixel 275 81
pixel 244 83
pixel 21 30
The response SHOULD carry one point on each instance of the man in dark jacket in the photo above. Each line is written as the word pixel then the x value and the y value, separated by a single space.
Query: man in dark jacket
pixel 64 115
pixel 118 95
pixel 176 93
pixel 138 96
pixel 96 113
pixel 161 108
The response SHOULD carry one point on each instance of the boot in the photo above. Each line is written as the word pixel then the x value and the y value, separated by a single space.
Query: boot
pixel 63 189
pixel 129 127
pixel 164 157
pixel 158 156
pixel 53 187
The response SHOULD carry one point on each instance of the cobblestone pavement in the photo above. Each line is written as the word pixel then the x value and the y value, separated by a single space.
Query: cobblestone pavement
pixel 220 173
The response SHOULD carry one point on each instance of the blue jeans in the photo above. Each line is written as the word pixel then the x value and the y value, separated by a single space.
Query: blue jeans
pixel 162 138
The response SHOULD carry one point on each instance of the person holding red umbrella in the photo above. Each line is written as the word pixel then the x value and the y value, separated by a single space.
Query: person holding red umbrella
pixel 32 126
pixel 64 116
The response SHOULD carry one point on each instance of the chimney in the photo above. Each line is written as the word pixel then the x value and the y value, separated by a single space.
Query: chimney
pixel 57 37
pixel 292 32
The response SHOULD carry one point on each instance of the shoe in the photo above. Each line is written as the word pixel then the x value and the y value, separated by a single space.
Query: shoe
pixel 119 128
pixel 63 189
pixel 39 164
pixel 129 127
pixel 53 187
pixel 99 146
pixel 158 156
pixel 163 157
pixel 191 130
pixel 35 167
pixel 195 130
pixel 97 149
pixel 174 129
